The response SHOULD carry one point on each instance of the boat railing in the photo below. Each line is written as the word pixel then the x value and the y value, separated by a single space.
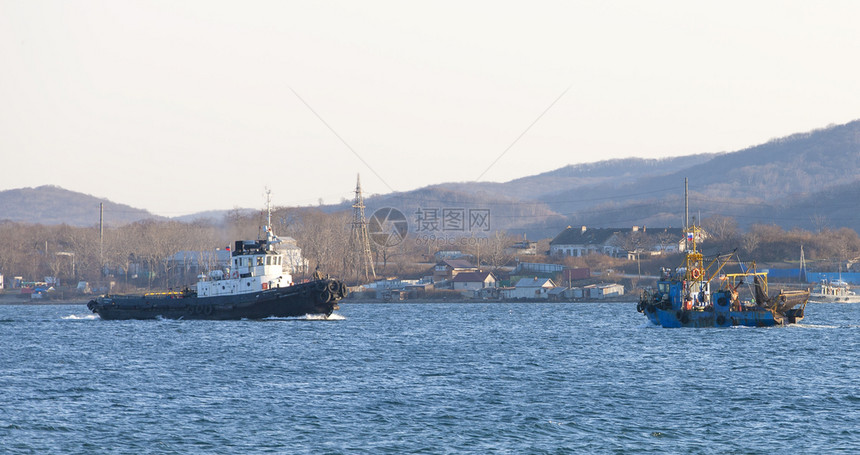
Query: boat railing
pixel 163 294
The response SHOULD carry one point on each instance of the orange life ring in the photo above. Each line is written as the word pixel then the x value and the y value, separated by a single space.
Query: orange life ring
pixel 235 274
pixel 696 274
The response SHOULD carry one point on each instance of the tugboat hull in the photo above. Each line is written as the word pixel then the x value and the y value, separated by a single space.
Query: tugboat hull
pixel 318 297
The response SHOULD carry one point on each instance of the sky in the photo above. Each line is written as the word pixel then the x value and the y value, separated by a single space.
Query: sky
pixel 179 107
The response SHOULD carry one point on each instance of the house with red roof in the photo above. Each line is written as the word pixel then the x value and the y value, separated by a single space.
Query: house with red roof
pixel 450 268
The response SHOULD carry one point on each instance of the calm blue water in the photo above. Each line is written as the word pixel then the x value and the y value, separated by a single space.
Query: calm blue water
pixel 432 378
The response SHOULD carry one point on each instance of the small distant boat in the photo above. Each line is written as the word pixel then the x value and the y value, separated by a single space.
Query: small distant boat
pixel 254 286
pixel 836 291
pixel 684 298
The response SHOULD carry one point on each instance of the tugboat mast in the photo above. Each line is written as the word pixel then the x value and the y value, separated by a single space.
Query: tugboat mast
pixel 271 238
pixel 268 207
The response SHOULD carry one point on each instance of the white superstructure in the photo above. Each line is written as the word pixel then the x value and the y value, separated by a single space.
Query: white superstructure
pixel 255 266
pixel 834 291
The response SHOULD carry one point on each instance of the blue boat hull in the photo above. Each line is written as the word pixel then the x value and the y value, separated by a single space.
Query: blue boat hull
pixel 703 318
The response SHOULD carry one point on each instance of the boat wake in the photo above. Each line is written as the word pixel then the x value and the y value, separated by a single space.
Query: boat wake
pixel 310 317
pixel 648 325
pixel 814 326
pixel 322 317
pixel 77 317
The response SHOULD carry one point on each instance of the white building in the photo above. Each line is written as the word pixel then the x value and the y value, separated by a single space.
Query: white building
pixel 294 263
pixel 473 281
pixel 609 290
pixel 602 291
pixel 529 288
pixel 583 241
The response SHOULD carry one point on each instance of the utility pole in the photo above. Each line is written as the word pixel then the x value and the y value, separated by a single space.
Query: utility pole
pixel 359 240
pixel 686 216
pixel 101 236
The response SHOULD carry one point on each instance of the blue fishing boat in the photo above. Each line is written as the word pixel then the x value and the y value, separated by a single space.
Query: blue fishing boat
pixel 685 297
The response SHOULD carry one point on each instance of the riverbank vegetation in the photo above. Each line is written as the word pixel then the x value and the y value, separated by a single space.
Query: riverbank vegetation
pixel 140 254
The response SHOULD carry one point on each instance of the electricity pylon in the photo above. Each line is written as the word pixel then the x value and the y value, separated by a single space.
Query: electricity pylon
pixel 359 240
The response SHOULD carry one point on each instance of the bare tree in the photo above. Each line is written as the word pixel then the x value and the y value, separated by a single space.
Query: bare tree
pixel 324 239
pixel 664 239
pixel 499 252
pixel 477 246
pixel 721 228
pixel 820 223
pixel 751 241
pixel 84 243
pixel 633 242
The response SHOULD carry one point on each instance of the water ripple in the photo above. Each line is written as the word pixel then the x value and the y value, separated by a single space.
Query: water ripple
pixel 407 378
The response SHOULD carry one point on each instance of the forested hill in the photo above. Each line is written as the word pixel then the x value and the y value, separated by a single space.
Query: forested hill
pixel 54 205
pixel 807 180
pixel 577 176
pixel 787 181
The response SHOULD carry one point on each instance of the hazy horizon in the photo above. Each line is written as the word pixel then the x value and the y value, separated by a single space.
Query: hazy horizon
pixel 180 108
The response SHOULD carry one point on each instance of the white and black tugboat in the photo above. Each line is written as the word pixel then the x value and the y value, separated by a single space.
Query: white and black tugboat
pixel 254 286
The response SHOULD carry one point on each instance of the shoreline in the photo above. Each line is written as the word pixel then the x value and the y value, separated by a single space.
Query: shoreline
pixel 24 299
pixel 25 302
pixel 435 301
pixel 42 303
pixel 8 302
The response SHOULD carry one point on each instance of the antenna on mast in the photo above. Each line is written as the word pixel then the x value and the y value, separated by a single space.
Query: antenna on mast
pixel 271 238
pixel 268 207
